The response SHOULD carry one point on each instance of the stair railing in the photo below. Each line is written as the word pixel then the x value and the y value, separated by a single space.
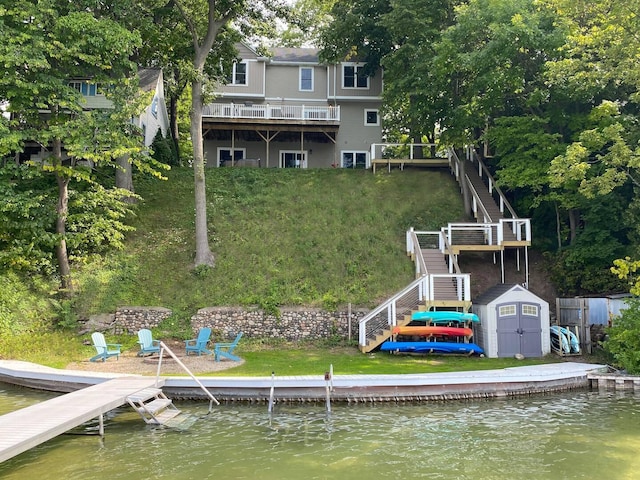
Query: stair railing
pixel 164 347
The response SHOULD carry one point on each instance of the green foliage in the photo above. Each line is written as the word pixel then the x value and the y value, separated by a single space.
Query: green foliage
pixel 164 149
pixel 623 341
pixel 324 237
pixel 24 304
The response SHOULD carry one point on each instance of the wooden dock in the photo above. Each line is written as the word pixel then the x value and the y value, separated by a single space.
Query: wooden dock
pixel 31 426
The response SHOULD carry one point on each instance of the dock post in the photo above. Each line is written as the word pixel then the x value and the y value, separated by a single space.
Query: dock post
pixel 327 378
pixel 101 425
pixel 273 381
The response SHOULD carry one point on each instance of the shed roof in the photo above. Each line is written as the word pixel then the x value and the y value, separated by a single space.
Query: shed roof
pixel 497 291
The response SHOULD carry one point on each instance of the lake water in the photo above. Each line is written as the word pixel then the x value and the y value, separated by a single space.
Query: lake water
pixel 575 435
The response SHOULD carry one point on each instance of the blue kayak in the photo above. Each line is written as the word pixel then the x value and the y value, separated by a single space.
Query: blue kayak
pixel 432 347
pixel 443 316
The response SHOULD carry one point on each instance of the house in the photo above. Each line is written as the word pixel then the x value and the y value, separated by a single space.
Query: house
pixel 289 110
pixel 154 117
pixel 513 320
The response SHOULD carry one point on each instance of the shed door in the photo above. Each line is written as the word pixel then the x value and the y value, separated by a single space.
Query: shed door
pixel 519 329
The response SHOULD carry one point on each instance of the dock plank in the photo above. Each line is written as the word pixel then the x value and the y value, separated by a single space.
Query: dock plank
pixel 33 425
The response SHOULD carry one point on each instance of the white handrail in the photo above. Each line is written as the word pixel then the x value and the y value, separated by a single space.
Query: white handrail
pixel 184 367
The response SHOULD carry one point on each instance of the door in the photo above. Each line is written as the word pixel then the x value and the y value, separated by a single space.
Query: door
pixel 519 330
pixel 291 159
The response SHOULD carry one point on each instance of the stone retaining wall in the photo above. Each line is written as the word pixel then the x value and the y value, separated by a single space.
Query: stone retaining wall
pixel 293 323
pixel 131 319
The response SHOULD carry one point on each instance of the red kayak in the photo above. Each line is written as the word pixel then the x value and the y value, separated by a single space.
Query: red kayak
pixel 427 331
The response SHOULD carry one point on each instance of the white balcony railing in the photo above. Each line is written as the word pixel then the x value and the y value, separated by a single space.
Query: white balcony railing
pixel 272 112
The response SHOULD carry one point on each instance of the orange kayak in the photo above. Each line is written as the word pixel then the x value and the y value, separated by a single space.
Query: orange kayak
pixel 428 330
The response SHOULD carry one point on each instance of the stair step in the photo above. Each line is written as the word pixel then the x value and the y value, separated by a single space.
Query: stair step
pixel 144 394
pixel 155 406
pixel 166 415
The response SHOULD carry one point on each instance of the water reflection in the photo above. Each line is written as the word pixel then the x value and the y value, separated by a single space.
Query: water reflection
pixel 565 436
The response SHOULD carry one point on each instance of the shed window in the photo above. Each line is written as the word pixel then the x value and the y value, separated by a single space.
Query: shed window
pixel 507 311
pixel 531 310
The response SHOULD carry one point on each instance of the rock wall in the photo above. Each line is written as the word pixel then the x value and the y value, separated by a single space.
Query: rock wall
pixel 292 324
pixel 131 319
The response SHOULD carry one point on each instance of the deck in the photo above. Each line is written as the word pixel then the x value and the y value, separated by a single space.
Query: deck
pixel 31 426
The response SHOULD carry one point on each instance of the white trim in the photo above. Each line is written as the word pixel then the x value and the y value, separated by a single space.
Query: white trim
pixel 367 162
pixel 278 100
pixel 300 69
pixel 373 110
pixel 303 163
pixel 232 150
pixel 356 66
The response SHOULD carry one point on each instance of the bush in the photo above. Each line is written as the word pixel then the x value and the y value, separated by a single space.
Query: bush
pixel 624 338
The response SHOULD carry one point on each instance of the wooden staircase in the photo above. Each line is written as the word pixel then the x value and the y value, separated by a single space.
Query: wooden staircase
pixel 153 406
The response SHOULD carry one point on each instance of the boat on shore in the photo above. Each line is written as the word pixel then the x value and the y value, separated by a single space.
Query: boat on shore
pixel 432 347
pixel 445 316
pixel 432 330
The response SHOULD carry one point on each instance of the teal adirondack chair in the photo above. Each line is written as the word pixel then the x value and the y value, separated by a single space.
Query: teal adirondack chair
pixel 104 349
pixel 199 345
pixel 225 350
pixel 148 346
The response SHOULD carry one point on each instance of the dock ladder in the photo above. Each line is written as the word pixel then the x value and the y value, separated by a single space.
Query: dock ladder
pixel 155 407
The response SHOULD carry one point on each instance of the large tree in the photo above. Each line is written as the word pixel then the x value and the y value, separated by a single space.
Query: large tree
pixel 43 45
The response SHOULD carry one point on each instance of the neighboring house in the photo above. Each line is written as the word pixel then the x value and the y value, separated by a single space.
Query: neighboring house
pixel 291 111
pixel 153 118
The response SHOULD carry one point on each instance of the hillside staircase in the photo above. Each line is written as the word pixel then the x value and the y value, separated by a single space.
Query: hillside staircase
pixel 439 283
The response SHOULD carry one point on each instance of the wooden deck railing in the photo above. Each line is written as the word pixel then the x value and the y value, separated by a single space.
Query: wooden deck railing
pixel 272 112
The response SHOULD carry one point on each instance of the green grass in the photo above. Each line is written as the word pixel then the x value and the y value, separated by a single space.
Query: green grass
pixel 323 237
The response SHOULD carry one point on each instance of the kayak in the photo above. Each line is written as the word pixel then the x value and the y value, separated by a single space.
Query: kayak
pixel 443 316
pixel 428 330
pixel 559 340
pixel 432 347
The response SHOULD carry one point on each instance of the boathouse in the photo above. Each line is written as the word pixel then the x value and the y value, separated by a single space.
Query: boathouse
pixel 513 321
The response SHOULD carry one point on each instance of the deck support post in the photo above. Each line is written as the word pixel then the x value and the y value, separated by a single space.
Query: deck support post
pixel 101 425
pixel 502 264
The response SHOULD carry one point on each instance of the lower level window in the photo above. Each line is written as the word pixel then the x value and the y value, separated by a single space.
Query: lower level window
pixel 354 160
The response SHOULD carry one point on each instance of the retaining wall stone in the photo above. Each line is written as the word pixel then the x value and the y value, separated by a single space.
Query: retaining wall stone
pixel 131 319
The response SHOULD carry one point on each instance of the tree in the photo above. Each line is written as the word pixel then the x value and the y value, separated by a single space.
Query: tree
pixel 43 45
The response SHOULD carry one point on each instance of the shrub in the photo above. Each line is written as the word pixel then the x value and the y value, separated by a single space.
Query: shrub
pixel 624 338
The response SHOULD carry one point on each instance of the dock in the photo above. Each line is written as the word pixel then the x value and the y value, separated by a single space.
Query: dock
pixel 31 426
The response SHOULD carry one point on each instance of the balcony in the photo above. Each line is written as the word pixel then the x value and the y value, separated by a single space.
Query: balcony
pixel 287 113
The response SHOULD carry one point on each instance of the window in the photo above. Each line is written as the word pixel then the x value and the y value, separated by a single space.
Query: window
pixel 85 88
pixel 293 159
pixel 371 118
pixel 239 74
pixel 354 160
pixel 531 310
pixel 507 311
pixel 154 107
pixel 306 79
pixel 353 76
pixel 226 155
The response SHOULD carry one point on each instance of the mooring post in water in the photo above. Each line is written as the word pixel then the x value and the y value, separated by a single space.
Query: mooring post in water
pixel 327 378
pixel 273 385
pixel 101 425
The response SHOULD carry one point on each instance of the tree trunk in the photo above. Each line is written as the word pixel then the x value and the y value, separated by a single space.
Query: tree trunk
pixel 573 225
pixel 124 176
pixel 558 228
pixel 204 256
pixel 173 126
pixel 64 269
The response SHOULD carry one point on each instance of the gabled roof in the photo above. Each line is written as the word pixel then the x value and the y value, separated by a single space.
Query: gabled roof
pixel 295 55
pixel 497 291
pixel 149 78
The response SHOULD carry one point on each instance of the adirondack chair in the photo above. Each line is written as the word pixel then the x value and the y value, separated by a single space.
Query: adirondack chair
pixel 225 350
pixel 104 349
pixel 199 345
pixel 148 346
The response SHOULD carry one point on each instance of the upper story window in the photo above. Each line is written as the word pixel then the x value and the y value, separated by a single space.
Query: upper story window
pixel 306 79
pixel 353 76
pixel 154 106
pixel 85 88
pixel 239 74
pixel 371 118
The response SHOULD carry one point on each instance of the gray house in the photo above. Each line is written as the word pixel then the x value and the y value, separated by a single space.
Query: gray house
pixel 513 321
pixel 289 110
